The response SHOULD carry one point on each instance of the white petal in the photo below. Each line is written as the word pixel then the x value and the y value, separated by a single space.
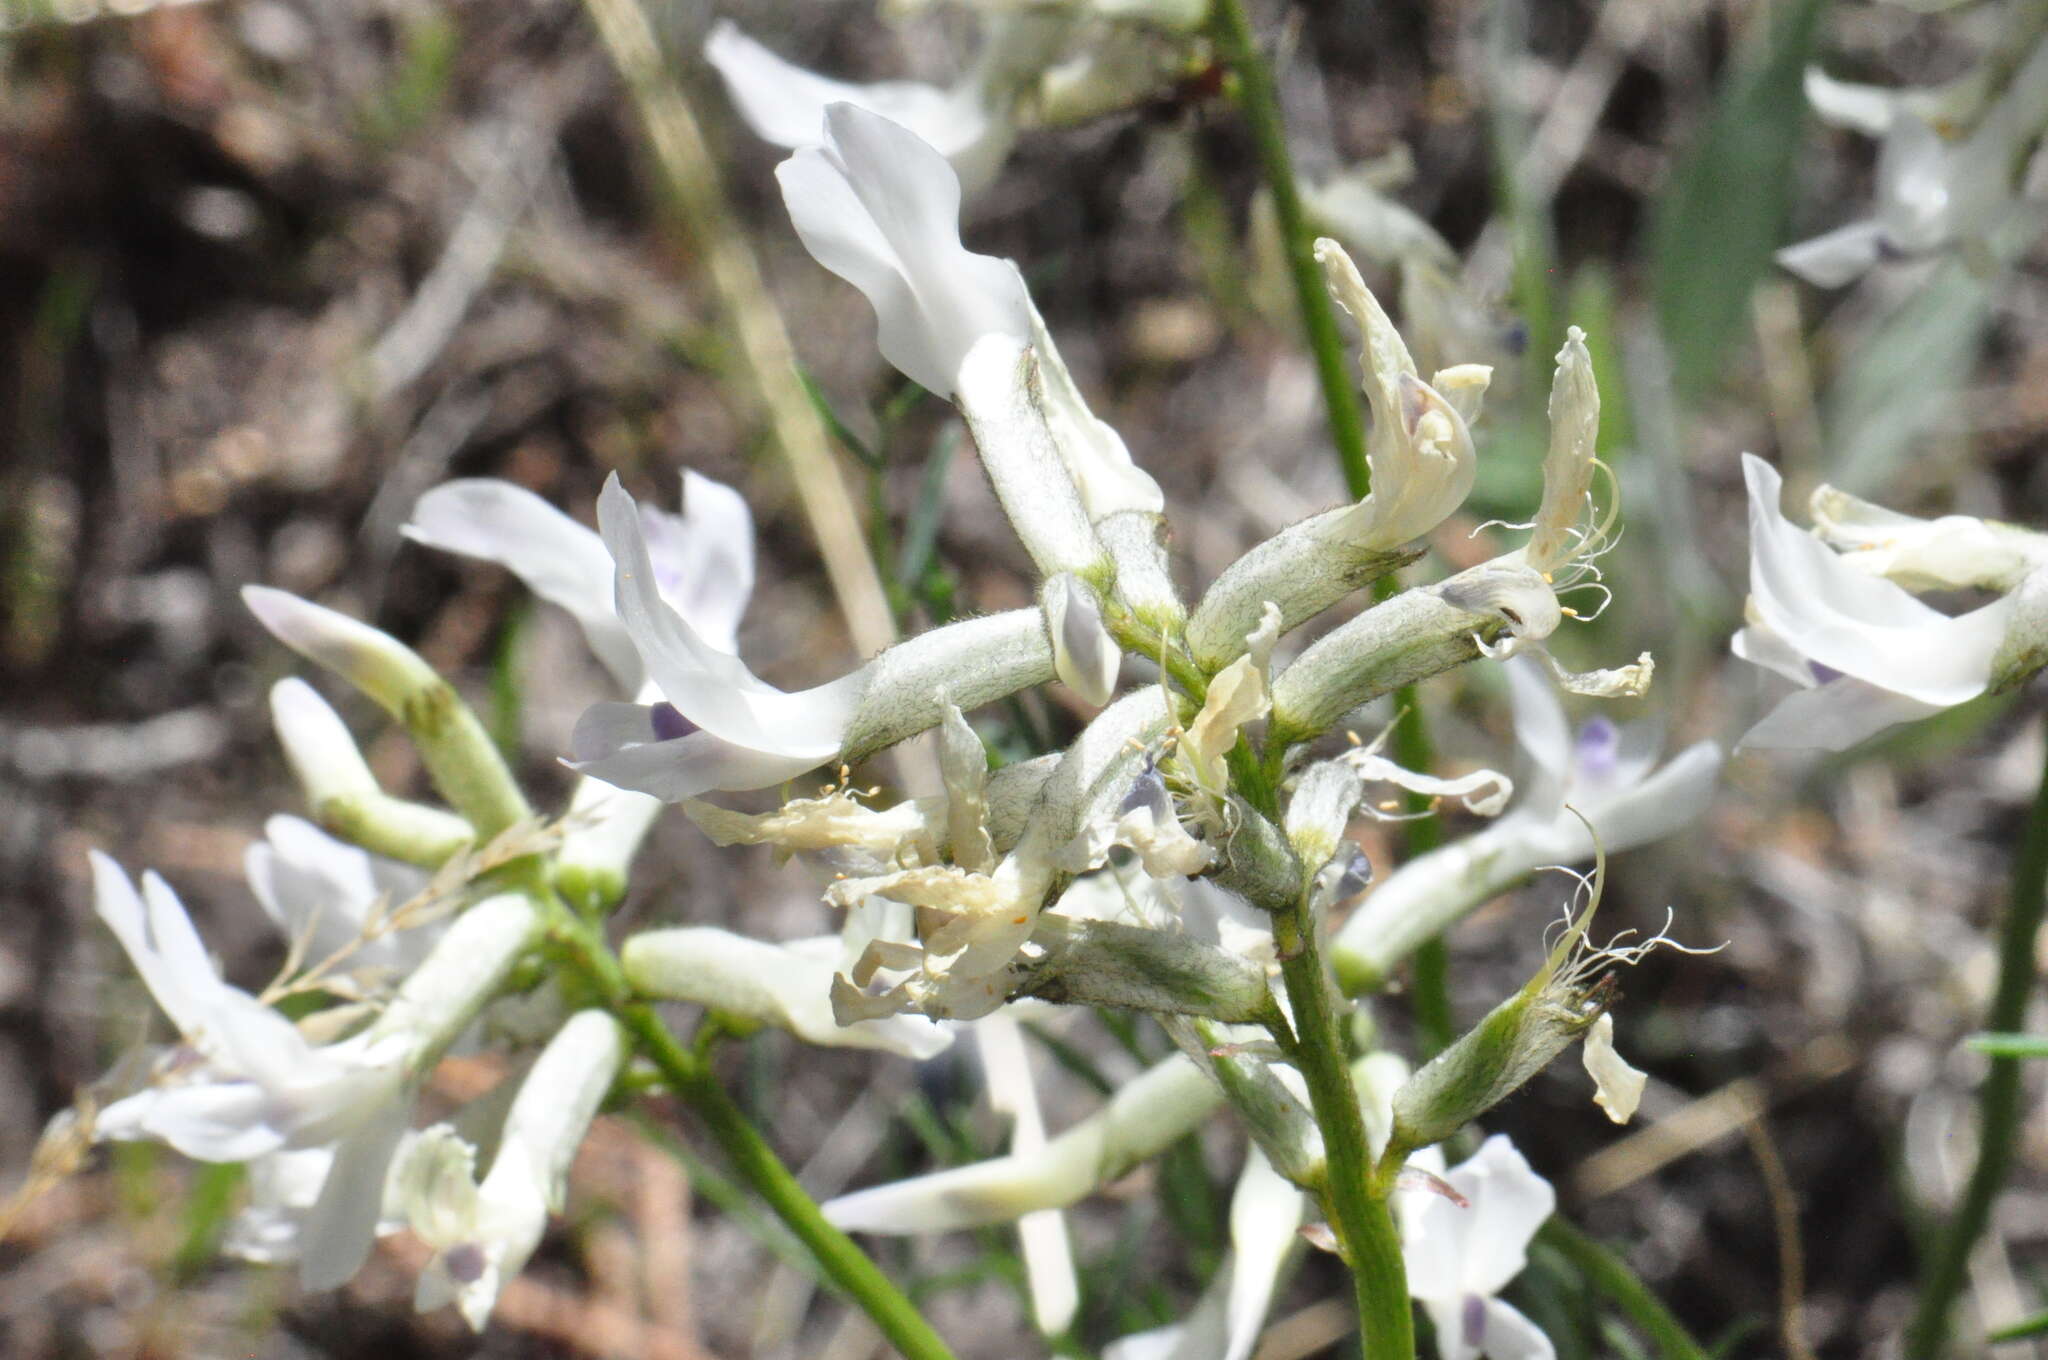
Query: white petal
pixel 1672 797
pixel 1913 198
pixel 1083 653
pixel 207 1121
pixel 713 689
pixel 1511 1336
pixel 1759 646
pixel 1833 717
pixel 1617 1087
pixel 688 766
pixel 785 104
pixel 343 1224
pixel 704 557
pixel 1867 109
pixel 322 753
pixel 1509 1203
pixel 1540 727
pixel 1836 258
pixel 1856 624
pixel 880 208
pixel 558 559
pixel 184 999
pixel 1265 1210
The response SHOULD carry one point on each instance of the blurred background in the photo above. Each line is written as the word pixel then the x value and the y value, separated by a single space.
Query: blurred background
pixel 271 268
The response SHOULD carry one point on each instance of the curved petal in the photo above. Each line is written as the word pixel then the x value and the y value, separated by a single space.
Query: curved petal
pixel 1511 1336
pixel 1540 727
pixel 880 208
pixel 343 1223
pixel 559 560
pixel 1837 257
pixel 785 104
pixel 704 558
pixel 207 1121
pixel 182 998
pixel 1660 804
pixel 1509 1203
pixel 692 765
pixel 713 688
pixel 1833 717
pixel 1265 1211
pixel 1856 624
pixel 1914 208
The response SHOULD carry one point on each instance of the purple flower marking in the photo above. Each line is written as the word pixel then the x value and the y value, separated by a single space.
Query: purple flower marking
pixel 464 1263
pixel 1599 745
pixel 1474 1320
pixel 669 722
pixel 1824 673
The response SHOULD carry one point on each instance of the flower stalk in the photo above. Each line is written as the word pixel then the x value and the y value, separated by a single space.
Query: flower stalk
pixel 1998 1099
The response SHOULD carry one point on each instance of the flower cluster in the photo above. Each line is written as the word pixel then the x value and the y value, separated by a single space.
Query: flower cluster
pixel 1178 858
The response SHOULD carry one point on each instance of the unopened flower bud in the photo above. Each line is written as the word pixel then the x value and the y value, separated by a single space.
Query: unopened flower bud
pixel 459 754
pixel 1417 634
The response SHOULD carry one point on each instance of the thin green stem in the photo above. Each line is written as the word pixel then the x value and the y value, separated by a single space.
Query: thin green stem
pixel 1430 991
pixel 1260 104
pixel 1610 1275
pixel 688 1074
pixel 1352 1200
pixel 1998 1099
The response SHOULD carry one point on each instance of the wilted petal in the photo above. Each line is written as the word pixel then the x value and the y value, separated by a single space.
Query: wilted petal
pixel 1618 1087
pixel 1954 552
pixel 1568 467
pixel 880 208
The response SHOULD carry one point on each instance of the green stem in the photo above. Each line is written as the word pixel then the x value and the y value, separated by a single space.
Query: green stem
pixel 1260 105
pixel 1430 997
pixel 1354 1203
pixel 689 1074
pixel 1609 1274
pixel 1998 1099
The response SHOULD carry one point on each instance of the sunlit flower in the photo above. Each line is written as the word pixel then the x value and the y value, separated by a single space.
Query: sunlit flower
pixel 483 1231
pixel 333 898
pixel 1863 652
pixel 1461 1255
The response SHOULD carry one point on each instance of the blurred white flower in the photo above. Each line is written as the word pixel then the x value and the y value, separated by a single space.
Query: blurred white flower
pixel 1604 773
pixel 1931 190
pixel 1459 1256
pixel 1863 652
pixel 1265 1212
pixel 332 896
pixel 483 1232
pixel 969 124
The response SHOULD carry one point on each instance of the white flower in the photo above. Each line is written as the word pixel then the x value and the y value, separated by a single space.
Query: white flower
pixel 483 1232
pixel 328 894
pixel 878 207
pixel 1864 653
pixel 1604 773
pixel 717 725
pixel 1460 1256
pixel 968 124
pixel 1041 1234
pixel 1954 552
pixel 1265 1212
pixel 702 559
pixel 1420 446
pixel 1930 191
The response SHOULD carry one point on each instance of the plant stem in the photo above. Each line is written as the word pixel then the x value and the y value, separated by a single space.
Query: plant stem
pixel 1430 998
pixel 1261 107
pixel 1609 1274
pixel 1355 1205
pixel 690 1076
pixel 1998 1099
pixel 1260 104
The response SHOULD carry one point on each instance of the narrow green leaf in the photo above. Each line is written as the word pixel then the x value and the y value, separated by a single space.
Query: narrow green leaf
pixel 2019 1331
pixel 1723 212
